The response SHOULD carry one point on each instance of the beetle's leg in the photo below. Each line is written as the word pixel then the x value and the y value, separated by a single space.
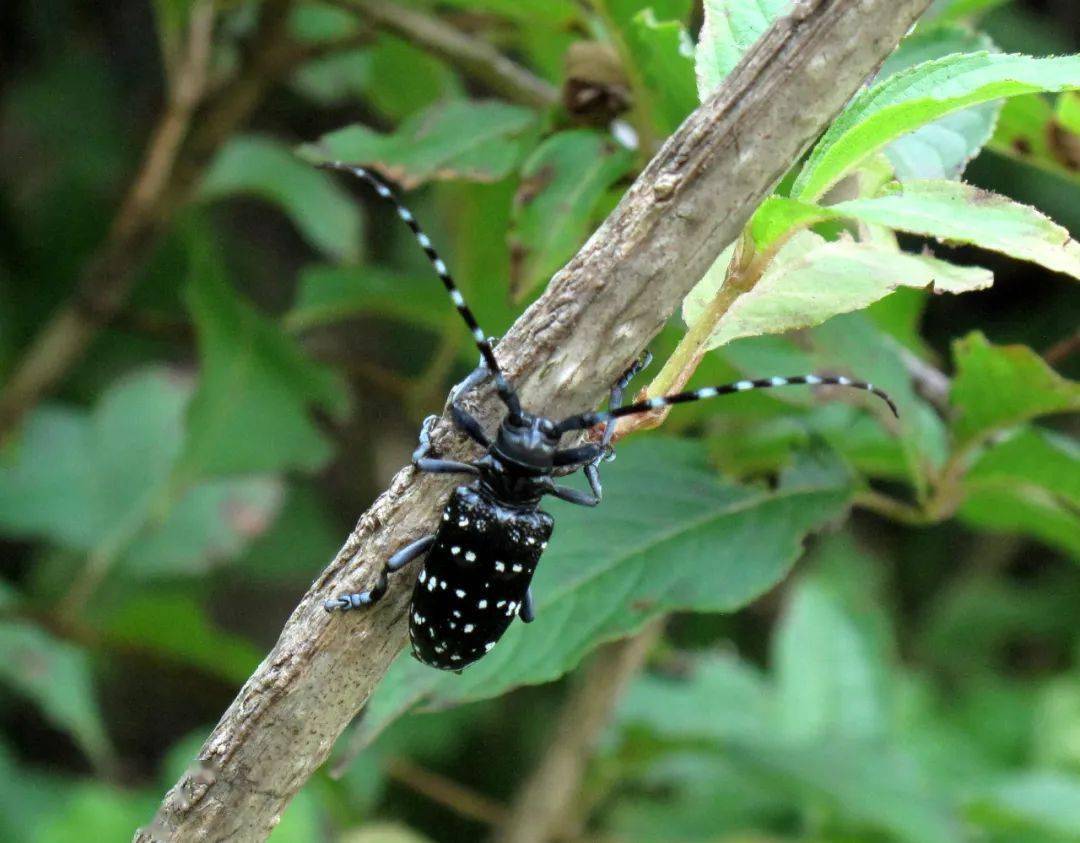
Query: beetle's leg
pixel 547 486
pixel 617 395
pixel 528 608
pixel 465 422
pixel 395 563
pixel 433 465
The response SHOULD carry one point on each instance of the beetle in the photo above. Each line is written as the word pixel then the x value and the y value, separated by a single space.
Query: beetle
pixel 480 561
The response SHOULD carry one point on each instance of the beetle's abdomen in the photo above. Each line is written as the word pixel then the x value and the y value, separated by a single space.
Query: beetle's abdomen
pixel 474 578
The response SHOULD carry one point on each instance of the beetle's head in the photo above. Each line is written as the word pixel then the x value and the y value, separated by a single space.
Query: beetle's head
pixel 527 442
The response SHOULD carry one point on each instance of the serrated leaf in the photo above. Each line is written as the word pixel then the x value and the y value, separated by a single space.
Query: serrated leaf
pixel 730 28
pixel 810 279
pixel 56 676
pixel 959 213
pixel 461 139
pixel 320 209
pixel 255 387
pixel 942 149
pixel 1000 386
pixel 1048 802
pixel 562 182
pixel 920 95
pixel 694 542
pixel 327 294
pixel 178 628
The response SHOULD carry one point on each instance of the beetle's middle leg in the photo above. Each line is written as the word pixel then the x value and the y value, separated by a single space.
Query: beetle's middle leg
pixel 373 595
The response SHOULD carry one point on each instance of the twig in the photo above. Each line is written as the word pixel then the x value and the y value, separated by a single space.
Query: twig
pixel 458 798
pixel 474 57
pixel 596 316
pixel 546 807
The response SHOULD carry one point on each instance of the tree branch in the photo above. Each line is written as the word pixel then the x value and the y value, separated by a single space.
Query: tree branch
pixel 547 806
pixel 598 313
pixel 472 56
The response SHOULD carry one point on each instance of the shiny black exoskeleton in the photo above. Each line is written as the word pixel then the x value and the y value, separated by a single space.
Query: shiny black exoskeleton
pixel 480 562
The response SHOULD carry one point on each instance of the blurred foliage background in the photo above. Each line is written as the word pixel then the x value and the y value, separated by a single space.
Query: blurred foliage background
pixel 215 356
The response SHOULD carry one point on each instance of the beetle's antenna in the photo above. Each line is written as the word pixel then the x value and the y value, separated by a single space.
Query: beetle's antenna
pixel 583 421
pixel 506 391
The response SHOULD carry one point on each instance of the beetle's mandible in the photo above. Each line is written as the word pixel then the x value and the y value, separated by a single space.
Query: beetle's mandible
pixel 480 562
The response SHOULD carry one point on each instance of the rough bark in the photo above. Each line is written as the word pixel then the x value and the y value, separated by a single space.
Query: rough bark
pixel 598 313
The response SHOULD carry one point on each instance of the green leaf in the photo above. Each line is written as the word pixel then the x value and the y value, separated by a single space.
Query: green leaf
pixel 730 28
pixel 1000 386
pixel 94 811
pixel 56 676
pixel 829 682
pixel 852 343
pixel 695 542
pixel 952 11
pixel 209 523
pixel 430 80
pixel 864 783
pixel 177 627
pixel 335 79
pixel 84 480
pixel 1044 801
pixel 958 213
pixel 1068 112
pixel 1023 509
pixel 321 210
pixel 721 698
pixel 327 294
pixel 1028 131
pixel 1031 456
pixel 562 182
pixel 665 58
pixel 475 141
pixel 942 149
pixel 811 279
pixel 920 95
pixel 255 388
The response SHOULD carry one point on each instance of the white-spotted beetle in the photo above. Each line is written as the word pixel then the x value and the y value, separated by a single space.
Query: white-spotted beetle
pixel 481 560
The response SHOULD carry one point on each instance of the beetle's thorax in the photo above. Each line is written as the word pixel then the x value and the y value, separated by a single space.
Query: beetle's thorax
pixel 526 444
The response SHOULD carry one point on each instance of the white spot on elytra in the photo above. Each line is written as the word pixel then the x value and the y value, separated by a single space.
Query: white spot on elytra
pixel 463 522
pixel 431 584
pixel 517 569
pixel 543 545
pixel 482 604
pixel 455 658
pixel 456 613
pixel 500 604
pixel 460 592
pixel 442 585
pixel 470 556
pixel 468 627
pixel 453 625
pixel 455 550
pixel 488 646
pixel 446 516
pixel 499 566
pixel 423 576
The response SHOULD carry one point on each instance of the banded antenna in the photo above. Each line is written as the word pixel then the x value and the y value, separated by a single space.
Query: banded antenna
pixel 583 421
pixel 506 392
